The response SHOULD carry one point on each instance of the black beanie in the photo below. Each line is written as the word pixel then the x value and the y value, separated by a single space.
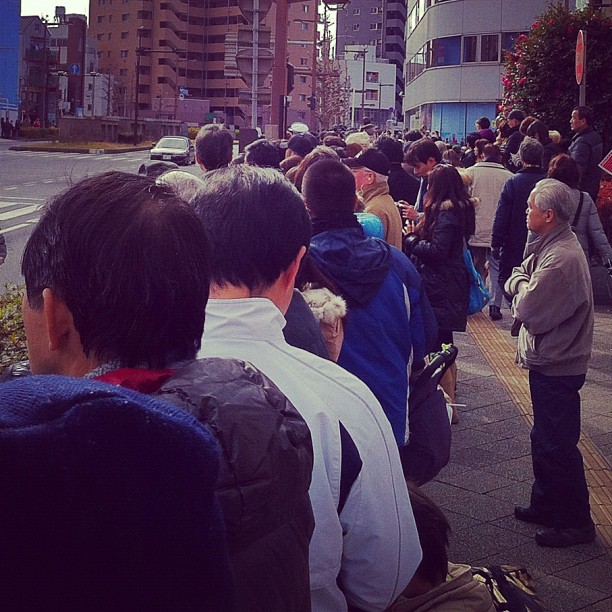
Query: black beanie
pixel 107 502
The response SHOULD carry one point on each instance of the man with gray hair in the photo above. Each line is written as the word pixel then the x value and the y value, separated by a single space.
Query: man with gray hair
pixel 553 300
pixel 509 233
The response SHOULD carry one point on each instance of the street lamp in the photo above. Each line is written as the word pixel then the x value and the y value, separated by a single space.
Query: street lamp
pixel 93 75
pixel 380 86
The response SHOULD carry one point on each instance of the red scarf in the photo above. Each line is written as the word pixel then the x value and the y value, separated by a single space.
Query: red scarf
pixel 145 381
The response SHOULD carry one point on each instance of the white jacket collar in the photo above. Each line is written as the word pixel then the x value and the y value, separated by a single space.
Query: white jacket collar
pixel 249 318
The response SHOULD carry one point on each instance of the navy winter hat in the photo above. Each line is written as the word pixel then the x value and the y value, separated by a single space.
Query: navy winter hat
pixel 302 144
pixel 108 501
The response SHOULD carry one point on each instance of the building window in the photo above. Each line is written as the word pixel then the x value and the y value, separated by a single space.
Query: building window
pixel 110 18
pixel 302 97
pixel 99 36
pixel 304 26
pixel 508 40
pixel 376 26
pixel 305 8
pixel 371 77
pixel 122 72
pixel 445 51
pixel 356 11
pixel 110 35
pixel 100 18
pixel 355 27
pixel 371 94
pixel 489 48
pixel 469 48
pixel 124 35
pixel 125 16
pixel 303 61
pixel 123 53
pixel 303 80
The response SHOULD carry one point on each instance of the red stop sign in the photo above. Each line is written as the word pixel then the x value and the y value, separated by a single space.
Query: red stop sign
pixel 580 57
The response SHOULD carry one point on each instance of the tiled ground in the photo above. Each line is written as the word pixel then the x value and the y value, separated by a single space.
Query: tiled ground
pixel 490 471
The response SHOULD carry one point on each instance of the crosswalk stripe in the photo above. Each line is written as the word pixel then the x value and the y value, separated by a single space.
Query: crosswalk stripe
pixel 14 227
pixel 20 212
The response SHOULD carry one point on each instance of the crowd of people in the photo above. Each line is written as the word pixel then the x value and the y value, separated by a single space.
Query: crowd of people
pixel 222 368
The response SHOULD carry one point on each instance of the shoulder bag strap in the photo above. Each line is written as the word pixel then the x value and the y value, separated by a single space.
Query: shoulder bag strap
pixel 577 215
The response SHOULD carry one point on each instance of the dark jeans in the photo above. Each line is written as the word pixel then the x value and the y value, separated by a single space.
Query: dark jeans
pixel 559 490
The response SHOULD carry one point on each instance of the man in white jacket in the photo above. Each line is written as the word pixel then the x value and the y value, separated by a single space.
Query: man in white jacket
pixel 365 547
pixel 488 179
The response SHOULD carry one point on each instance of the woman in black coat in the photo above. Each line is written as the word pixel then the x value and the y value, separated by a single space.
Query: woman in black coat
pixel 437 244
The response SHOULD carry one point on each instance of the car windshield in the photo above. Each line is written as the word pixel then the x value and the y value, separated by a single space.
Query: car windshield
pixel 172 143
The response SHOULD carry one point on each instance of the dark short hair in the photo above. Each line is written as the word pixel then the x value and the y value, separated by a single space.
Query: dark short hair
pixel 433 529
pixel 481 143
pixel 256 221
pixel 483 123
pixel 471 138
pixel 214 146
pixel 413 136
pixel 564 169
pixel 540 129
pixel 392 148
pixel 129 259
pixel 516 114
pixel 329 189
pixel 262 153
pixel 585 112
pixel 421 150
pixel 492 152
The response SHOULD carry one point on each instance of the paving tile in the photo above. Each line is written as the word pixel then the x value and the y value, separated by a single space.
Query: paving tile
pixel 443 493
pixel 459 521
pixel 476 457
pixel 605 605
pixel 479 507
pixel 516 493
pixel 596 425
pixel 594 573
pixel 468 438
pixel 510 448
pixel 508 428
pixel 561 595
pixel 518 469
pixel 482 541
pixel 454 468
pixel 482 398
pixel 494 413
pixel 477 481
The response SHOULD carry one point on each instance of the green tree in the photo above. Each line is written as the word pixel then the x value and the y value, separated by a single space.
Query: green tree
pixel 540 71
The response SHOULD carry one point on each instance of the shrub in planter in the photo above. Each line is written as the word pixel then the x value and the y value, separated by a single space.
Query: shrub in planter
pixel 12 335
pixel 32 133
pixel 604 206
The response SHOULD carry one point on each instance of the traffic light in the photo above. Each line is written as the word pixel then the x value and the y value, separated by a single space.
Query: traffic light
pixel 312 102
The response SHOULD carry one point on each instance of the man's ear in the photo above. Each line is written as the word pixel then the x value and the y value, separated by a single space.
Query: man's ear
pixel 294 267
pixel 58 319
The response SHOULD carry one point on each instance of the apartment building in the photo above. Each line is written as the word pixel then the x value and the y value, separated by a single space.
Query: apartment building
pixel 377 23
pixel 454 59
pixel 190 49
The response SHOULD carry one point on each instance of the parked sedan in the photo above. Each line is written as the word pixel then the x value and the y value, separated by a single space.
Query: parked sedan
pixel 177 149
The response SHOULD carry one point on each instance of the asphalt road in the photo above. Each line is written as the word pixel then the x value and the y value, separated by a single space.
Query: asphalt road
pixel 28 179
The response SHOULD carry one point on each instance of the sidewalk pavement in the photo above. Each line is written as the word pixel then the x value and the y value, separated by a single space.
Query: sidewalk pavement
pixel 490 467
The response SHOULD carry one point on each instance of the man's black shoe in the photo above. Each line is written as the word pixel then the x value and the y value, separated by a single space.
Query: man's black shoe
pixel 560 538
pixel 528 515
pixel 495 313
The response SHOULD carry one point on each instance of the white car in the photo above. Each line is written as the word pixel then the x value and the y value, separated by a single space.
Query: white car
pixel 177 149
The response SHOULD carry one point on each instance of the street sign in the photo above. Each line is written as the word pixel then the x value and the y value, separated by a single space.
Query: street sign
pixel 74 69
pixel 580 57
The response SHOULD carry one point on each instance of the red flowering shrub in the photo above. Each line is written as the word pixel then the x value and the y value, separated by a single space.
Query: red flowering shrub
pixel 540 72
pixel 604 206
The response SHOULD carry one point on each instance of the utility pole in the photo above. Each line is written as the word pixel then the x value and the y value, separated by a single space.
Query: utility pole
pixel 363 78
pixel 45 74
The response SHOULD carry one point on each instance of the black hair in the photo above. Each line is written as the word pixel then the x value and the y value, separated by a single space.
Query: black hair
pixel 262 153
pixel 471 138
pixel 480 144
pixel 540 129
pixel 585 112
pixel 256 221
pixel 129 259
pixel 483 123
pixel 421 150
pixel 214 146
pixel 564 169
pixel 492 153
pixel 444 183
pixel 434 530
pixel 329 190
pixel 392 148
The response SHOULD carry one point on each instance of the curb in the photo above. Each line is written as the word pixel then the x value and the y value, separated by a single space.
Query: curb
pixel 79 150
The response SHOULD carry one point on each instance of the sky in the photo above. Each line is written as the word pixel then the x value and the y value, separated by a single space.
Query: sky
pixel 47 7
